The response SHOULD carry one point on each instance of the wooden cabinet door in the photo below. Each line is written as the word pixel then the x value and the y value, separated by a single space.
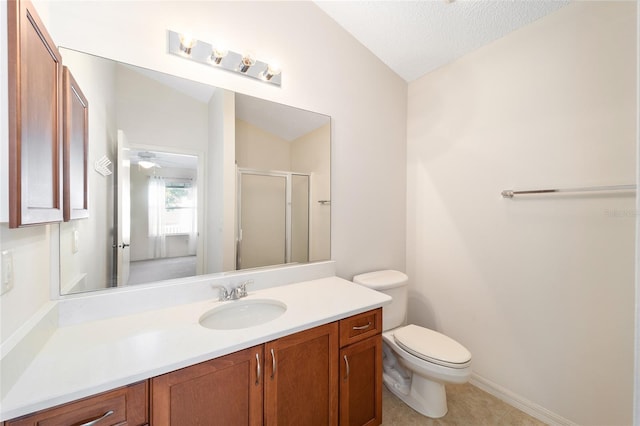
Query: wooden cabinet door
pixel 126 406
pixel 301 378
pixel 75 148
pixel 361 383
pixel 35 132
pixel 224 391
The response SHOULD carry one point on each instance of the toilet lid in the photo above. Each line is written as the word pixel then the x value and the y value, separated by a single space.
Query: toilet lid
pixel 432 346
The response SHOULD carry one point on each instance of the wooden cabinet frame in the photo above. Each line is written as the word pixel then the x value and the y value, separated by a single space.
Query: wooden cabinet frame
pixel 35 130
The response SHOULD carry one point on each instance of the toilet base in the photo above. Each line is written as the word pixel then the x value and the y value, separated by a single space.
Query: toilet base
pixel 426 397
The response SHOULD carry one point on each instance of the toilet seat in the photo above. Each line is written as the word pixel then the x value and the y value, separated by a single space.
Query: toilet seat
pixel 432 346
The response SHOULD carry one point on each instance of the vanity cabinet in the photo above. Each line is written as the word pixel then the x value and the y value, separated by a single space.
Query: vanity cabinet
pixel 223 391
pixel 326 375
pixel 126 406
pixel 361 369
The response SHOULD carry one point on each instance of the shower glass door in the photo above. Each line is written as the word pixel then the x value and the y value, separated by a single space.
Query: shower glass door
pixel 263 202
pixel 299 218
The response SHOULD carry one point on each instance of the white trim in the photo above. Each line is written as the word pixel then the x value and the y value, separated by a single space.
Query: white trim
pixel 636 381
pixel 522 404
pixel 4 116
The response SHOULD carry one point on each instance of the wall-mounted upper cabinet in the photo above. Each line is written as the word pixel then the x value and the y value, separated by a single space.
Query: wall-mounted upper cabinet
pixel 76 145
pixel 35 121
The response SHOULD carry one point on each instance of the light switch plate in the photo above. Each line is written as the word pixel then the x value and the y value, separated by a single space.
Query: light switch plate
pixel 76 241
pixel 7 272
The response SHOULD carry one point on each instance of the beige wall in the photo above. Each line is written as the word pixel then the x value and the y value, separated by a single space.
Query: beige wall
pixel 151 113
pixel 258 149
pixel 540 289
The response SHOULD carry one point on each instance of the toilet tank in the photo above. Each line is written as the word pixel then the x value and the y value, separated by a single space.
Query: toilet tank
pixel 394 284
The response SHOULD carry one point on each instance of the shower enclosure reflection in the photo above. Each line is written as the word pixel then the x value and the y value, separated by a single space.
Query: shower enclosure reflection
pixel 273 223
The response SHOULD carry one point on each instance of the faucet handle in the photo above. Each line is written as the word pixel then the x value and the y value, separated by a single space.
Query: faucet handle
pixel 242 288
pixel 223 294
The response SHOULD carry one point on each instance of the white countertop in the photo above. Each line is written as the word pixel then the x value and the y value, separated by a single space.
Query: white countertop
pixel 84 359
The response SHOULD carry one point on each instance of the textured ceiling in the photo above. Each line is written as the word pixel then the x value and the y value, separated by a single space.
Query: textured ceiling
pixel 416 37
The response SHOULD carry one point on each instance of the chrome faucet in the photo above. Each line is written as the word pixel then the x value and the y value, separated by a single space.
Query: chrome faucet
pixel 237 292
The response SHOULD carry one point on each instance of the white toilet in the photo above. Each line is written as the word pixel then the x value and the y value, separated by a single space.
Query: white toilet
pixel 417 362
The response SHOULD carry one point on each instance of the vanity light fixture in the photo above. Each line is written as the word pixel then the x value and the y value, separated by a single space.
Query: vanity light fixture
pixel 216 56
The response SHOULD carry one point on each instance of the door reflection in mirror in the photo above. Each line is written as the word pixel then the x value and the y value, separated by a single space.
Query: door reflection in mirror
pixel 164 215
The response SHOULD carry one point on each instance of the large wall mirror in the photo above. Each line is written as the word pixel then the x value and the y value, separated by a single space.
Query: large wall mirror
pixel 188 179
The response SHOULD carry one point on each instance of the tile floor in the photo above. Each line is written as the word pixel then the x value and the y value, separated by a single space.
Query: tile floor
pixel 468 406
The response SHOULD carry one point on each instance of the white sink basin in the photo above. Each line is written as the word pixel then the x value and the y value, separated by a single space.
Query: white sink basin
pixel 242 314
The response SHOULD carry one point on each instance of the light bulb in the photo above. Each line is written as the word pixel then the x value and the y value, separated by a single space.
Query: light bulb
pixel 186 43
pixel 272 70
pixel 247 62
pixel 218 54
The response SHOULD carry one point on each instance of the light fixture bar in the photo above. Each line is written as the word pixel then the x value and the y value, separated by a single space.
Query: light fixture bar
pixel 208 54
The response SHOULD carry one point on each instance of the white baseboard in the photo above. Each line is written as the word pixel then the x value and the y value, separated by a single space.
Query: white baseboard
pixel 522 404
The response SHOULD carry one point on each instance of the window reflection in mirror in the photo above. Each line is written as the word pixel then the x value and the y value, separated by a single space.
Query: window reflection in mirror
pixel 172 206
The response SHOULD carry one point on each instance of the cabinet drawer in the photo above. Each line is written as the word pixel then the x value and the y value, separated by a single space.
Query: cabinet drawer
pixel 128 406
pixel 361 326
